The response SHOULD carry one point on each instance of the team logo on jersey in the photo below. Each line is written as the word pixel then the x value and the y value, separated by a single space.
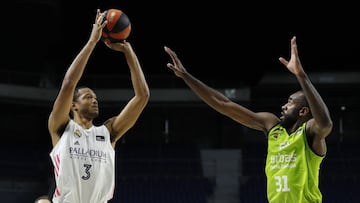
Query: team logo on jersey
pixel 77 133
pixel 100 138
pixel 284 145
pixel 275 134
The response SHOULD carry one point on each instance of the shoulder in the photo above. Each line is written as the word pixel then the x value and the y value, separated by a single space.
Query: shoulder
pixel 274 128
pixel 108 123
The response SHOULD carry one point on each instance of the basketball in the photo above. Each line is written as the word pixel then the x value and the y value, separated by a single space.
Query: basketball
pixel 118 26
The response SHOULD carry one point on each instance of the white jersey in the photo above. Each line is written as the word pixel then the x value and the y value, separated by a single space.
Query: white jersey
pixel 84 165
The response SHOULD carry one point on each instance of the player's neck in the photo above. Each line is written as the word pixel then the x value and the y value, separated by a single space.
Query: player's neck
pixel 85 123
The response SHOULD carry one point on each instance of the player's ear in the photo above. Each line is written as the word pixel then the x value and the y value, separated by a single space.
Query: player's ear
pixel 304 111
pixel 74 106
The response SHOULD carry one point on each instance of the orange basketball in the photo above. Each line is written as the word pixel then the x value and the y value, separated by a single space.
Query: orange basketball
pixel 118 26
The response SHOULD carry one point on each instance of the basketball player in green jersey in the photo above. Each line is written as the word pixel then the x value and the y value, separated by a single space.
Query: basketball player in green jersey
pixel 296 140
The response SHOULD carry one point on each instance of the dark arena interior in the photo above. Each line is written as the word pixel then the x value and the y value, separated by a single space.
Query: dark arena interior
pixel 180 150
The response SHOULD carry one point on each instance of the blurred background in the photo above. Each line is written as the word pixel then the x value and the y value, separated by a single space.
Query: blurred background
pixel 180 150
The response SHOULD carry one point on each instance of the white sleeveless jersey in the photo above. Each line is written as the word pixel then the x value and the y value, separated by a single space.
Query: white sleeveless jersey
pixel 84 165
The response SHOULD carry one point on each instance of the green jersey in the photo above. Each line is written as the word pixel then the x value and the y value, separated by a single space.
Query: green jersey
pixel 292 168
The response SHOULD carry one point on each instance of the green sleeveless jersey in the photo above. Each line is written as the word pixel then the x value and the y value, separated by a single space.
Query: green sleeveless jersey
pixel 292 168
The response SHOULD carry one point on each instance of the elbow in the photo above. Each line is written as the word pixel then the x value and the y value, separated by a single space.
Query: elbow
pixel 145 96
pixel 330 126
pixel 143 93
pixel 327 128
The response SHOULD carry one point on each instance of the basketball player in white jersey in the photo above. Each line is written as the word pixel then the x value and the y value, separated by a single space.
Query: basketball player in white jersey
pixel 83 154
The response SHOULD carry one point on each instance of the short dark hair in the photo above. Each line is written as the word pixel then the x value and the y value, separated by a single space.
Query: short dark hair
pixel 75 98
pixel 77 93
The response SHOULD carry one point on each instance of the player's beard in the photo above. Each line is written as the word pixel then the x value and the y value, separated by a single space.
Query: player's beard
pixel 288 120
pixel 90 114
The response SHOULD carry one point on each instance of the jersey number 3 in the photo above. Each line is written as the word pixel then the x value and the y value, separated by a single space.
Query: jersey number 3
pixel 87 172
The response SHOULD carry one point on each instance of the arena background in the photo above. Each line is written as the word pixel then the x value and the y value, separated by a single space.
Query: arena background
pixel 180 150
